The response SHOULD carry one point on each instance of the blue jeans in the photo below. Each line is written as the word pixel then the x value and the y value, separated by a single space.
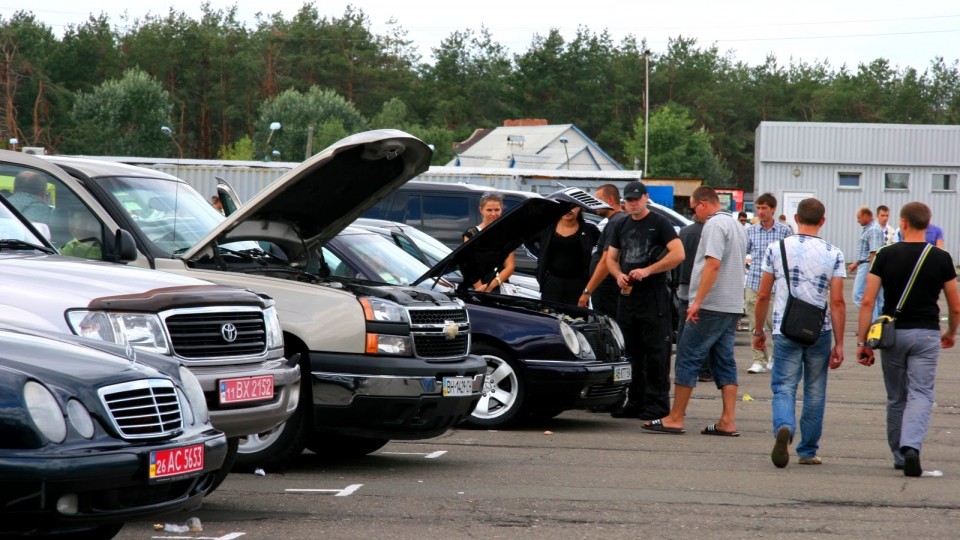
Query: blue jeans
pixel 710 339
pixel 860 286
pixel 791 362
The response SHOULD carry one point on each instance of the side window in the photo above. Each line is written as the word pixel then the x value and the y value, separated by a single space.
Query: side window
pixel 56 211
pixel 446 217
pixel 412 215
pixel 409 247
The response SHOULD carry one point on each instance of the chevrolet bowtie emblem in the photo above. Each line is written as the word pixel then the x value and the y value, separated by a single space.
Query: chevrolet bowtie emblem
pixel 450 329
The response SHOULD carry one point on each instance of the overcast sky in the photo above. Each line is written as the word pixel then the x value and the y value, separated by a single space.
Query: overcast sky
pixel 908 33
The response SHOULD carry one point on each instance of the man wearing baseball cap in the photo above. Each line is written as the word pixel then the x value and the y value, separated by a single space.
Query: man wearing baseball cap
pixel 643 247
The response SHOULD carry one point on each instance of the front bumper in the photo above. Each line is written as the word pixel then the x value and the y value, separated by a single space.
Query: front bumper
pixel 247 417
pixel 111 484
pixel 390 398
pixel 563 384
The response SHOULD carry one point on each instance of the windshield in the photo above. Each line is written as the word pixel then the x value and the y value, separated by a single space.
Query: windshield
pixel 11 228
pixel 170 214
pixel 434 249
pixel 373 257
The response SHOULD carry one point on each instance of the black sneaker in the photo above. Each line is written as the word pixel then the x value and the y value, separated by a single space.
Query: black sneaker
pixel 781 448
pixel 911 461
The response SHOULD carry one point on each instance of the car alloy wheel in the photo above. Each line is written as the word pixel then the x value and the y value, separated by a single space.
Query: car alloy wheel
pixel 503 391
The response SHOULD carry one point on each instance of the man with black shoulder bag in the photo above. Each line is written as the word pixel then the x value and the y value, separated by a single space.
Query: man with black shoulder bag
pixel 799 266
pixel 912 275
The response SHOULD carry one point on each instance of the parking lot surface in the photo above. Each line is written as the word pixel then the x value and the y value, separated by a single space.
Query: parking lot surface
pixel 587 475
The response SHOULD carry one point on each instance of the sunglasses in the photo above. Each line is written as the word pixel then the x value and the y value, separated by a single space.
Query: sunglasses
pixel 491 196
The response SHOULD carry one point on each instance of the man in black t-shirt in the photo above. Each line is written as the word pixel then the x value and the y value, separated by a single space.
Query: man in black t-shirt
pixel 642 248
pixel 910 365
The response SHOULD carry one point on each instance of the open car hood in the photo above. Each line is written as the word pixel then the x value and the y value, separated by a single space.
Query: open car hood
pixel 316 200
pixel 522 223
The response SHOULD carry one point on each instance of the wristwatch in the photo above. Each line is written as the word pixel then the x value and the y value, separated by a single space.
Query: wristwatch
pixel 758 333
pixel 861 344
pixel 587 292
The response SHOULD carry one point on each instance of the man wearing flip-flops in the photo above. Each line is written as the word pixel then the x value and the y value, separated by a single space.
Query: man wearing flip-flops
pixel 716 304
pixel 816 274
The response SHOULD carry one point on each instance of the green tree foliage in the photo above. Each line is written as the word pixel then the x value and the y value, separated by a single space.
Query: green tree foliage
pixel 331 116
pixel 678 148
pixel 122 118
pixel 222 75
pixel 242 150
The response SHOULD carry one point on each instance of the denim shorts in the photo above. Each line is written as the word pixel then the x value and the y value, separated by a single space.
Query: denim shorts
pixel 710 340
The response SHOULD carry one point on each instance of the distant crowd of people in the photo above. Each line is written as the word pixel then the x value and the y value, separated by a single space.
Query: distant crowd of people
pixel 621 269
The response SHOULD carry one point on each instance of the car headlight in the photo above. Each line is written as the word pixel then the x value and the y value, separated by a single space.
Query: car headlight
pixel 586 351
pixel 376 309
pixel 80 418
pixel 191 386
pixel 570 338
pixel 274 330
pixel 45 411
pixel 141 330
pixel 617 333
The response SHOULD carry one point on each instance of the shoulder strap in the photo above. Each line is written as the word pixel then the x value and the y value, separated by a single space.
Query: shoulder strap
pixel 786 269
pixel 913 278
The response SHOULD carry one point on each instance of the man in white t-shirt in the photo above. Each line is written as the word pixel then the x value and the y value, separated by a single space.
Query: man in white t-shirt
pixel 816 274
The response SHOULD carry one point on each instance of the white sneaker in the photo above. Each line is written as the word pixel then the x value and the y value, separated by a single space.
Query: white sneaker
pixel 757 367
pixel 770 365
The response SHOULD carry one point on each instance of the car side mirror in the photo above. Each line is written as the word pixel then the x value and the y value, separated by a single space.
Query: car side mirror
pixel 124 247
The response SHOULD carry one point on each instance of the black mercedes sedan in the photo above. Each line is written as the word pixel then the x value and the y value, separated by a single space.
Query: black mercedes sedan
pixel 94 434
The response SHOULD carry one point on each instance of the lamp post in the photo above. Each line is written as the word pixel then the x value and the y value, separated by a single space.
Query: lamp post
pixel 266 148
pixel 564 141
pixel 169 133
pixel 646 110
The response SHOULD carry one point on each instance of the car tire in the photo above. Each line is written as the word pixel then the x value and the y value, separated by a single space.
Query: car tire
pixel 504 389
pixel 275 448
pixel 336 447
pixel 233 444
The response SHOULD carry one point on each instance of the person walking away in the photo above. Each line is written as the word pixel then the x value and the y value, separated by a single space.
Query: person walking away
pixel 910 365
pixel 643 247
pixel 491 207
pixel 716 305
pixel 690 239
pixel 602 290
pixel 871 240
pixel 811 263
pixel 759 237
pixel 563 257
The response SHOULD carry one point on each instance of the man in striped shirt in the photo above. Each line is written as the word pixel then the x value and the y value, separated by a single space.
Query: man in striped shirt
pixel 760 235
pixel 871 240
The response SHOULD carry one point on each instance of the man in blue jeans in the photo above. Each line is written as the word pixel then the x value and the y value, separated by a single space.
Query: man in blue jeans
pixel 816 276
pixel 716 304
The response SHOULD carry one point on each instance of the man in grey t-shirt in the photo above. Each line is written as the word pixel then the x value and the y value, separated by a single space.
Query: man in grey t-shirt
pixel 716 303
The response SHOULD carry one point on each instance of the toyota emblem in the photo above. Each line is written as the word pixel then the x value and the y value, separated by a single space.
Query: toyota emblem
pixel 229 332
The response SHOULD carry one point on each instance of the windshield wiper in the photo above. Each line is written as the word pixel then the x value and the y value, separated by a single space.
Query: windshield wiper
pixel 10 243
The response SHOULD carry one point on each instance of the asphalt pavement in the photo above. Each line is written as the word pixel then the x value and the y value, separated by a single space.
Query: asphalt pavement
pixel 586 475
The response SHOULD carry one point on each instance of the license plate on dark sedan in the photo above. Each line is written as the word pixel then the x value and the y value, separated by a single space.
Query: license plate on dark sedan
pixel 176 461
pixel 457 386
pixel 622 373
pixel 246 389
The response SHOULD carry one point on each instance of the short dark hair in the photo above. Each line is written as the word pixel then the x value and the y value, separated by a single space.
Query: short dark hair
pixel 609 191
pixel 705 193
pixel 865 211
pixel 810 211
pixel 882 208
pixel 917 215
pixel 742 215
pixel 766 199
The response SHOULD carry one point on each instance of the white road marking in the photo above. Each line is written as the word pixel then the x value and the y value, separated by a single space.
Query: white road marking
pixel 431 455
pixel 349 490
